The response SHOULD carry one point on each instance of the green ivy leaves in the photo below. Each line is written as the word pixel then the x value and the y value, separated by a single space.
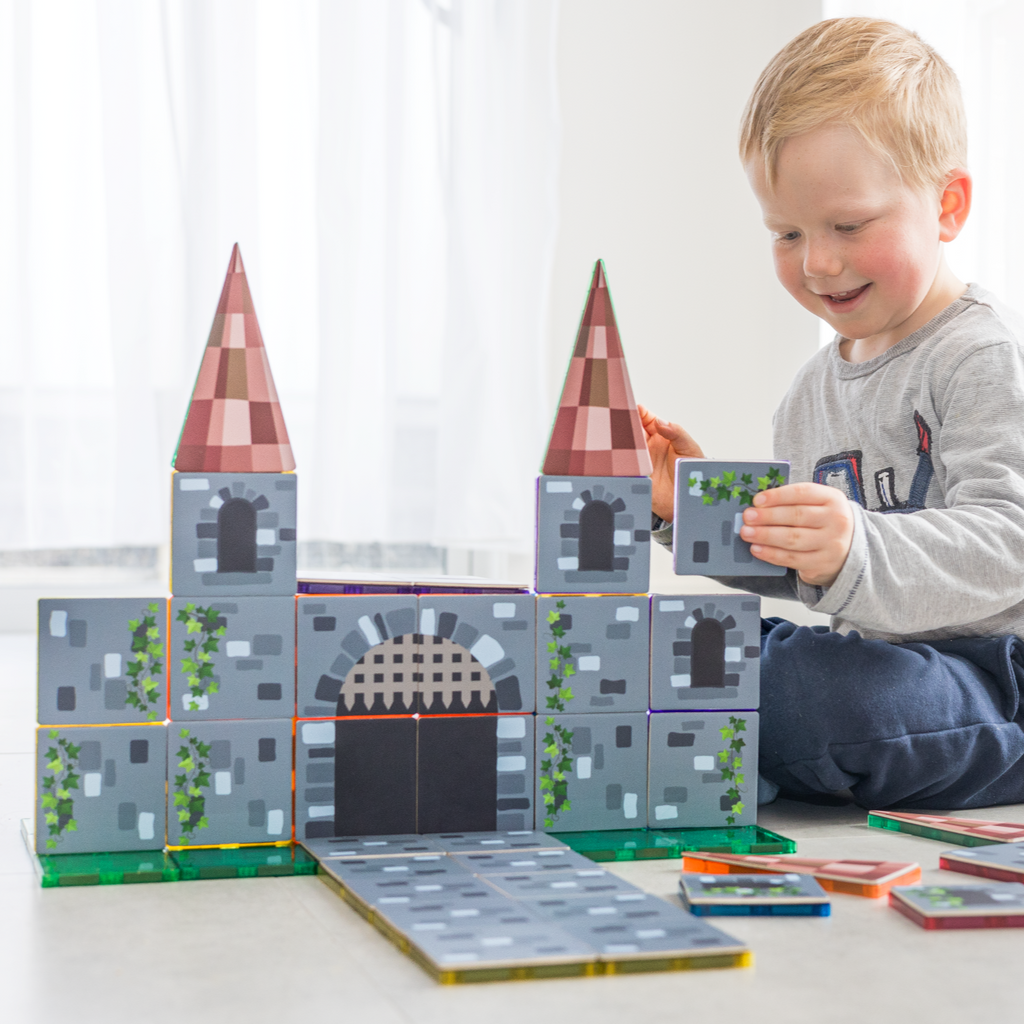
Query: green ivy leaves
pixel 57 802
pixel 189 801
pixel 145 663
pixel 731 761
pixel 558 741
pixel 727 486
pixel 204 633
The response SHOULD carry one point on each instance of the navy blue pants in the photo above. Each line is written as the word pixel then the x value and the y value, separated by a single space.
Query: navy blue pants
pixel 932 726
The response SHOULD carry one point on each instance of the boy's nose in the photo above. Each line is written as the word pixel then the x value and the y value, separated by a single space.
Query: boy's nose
pixel 822 261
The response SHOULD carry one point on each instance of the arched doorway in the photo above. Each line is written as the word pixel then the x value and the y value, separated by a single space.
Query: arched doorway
pixel 707 664
pixel 236 536
pixel 597 537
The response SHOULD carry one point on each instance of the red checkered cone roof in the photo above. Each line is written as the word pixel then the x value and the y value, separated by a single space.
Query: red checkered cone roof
pixel 234 422
pixel 597 429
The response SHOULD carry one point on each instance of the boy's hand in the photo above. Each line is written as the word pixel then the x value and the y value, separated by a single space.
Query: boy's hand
pixel 807 527
pixel 666 442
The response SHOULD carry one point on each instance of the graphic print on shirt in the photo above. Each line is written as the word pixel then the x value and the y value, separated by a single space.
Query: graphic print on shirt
pixel 844 472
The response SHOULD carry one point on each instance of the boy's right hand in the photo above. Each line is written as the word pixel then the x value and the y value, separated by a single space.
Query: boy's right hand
pixel 666 442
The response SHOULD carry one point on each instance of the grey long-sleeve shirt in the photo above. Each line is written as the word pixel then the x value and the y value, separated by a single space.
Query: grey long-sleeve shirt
pixel 927 441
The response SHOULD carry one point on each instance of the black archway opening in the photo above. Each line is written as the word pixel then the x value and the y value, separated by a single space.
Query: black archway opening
pixel 597 537
pixel 707 665
pixel 236 536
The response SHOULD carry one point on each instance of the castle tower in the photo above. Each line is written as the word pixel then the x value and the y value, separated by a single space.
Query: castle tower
pixel 639 691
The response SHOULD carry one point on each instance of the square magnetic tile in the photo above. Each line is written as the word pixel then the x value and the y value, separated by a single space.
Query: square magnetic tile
pixel 243 774
pixel 705 651
pixel 233 534
pixel 603 759
pixel 100 789
pixel 232 658
pixel 495 635
pixel 593 535
pixel 102 660
pixel 608 639
pixel 358 655
pixel 710 499
pixel 703 769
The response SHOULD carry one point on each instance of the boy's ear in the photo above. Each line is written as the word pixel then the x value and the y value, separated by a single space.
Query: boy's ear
pixel 955 204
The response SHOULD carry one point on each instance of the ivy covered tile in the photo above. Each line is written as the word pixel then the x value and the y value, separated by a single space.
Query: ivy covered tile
pixel 232 658
pixel 102 660
pixel 703 769
pixel 100 789
pixel 710 499
pixel 592 653
pixel 229 782
pixel 591 771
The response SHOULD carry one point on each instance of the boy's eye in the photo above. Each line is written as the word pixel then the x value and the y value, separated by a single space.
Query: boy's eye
pixel 847 228
pixel 788 236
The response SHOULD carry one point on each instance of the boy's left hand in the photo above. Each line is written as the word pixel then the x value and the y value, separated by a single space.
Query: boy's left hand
pixel 807 527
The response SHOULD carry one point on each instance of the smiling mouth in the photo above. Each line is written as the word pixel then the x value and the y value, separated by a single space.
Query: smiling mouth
pixel 848 296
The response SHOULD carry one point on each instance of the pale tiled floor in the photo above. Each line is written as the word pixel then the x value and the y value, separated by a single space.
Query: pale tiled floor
pixel 289 950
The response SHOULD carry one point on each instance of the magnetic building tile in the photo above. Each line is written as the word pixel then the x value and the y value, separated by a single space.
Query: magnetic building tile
pixel 709 504
pixel 102 660
pixel 232 658
pixel 705 651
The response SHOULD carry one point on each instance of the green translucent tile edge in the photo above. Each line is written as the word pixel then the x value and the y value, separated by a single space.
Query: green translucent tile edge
pixel 56 870
pixel 914 829
pixel 670 844
pixel 66 869
pixel 243 862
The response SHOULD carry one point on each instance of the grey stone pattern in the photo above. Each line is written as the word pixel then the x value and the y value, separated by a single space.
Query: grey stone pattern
pixel 249 798
pixel 686 785
pixel 460 919
pixel 254 665
pixel 383 890
pixel 233 534
pixel 635 925
pixel 518 841
pixel 609 638
pixel 586 517
pixel 542 885
pixel 335 633
pixel 607 786
pixel 85 650
pixel 705 539
pixel 705 651
pixel 420 869
pixel 315 747
pixel 533 943
pixel 499 631
pixel 363 847
pixel 534 861
pixel 697 891
pixel 119 801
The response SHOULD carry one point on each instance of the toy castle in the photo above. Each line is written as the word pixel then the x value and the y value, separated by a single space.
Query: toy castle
pixel 251 710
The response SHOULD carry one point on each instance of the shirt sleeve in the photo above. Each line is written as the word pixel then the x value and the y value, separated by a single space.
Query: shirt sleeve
pixel 935 568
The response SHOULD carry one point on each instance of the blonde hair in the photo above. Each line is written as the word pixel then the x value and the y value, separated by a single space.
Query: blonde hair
pixel 876 77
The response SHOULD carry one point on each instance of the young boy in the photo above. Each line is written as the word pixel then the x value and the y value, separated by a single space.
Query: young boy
pixel 905 517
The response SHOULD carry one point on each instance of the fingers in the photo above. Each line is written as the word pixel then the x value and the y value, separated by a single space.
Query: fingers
pixel 799 494
pixel 811 517
pixel 679 440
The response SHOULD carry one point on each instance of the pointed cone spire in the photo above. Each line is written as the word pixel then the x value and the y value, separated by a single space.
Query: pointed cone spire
pixel 234 422
pixel 597 429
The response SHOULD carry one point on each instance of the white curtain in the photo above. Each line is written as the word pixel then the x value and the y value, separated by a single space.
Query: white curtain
pixel 389 168
pixel 983 41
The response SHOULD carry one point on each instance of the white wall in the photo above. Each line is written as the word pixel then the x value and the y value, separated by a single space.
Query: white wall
pixel 651 96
